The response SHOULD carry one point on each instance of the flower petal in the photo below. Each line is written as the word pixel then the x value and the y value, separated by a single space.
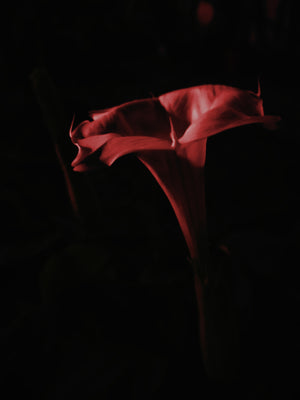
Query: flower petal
pixel 187 106
pixel 136 118
pixel 89 145
pixel 220 119
pixel 120 146
pixel 114 146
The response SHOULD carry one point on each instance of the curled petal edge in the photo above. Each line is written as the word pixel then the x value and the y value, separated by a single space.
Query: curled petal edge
pixel 114 146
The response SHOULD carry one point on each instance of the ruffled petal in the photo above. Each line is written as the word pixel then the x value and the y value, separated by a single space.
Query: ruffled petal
pixel 120 146
pixel 187 106
pixel 219 120
pixel 114 146
pixel 89 145
pixel 136 118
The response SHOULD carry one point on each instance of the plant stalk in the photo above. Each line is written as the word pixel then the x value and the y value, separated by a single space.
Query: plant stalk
pixel 218 321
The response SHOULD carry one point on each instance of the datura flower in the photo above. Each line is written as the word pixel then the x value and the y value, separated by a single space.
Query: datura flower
pixel 168 134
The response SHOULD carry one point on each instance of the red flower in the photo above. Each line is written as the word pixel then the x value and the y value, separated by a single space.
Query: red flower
pixel 168 134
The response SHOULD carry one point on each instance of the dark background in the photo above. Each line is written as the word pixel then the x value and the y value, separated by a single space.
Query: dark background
pixel 102 305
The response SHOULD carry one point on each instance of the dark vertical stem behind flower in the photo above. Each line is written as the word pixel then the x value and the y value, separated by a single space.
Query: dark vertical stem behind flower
pixel 56 121
pixel 54 117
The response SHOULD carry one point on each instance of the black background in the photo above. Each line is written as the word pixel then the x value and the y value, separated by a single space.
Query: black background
pixel 103 306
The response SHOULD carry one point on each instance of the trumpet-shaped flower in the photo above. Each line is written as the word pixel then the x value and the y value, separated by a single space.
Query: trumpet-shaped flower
pixel 169 134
